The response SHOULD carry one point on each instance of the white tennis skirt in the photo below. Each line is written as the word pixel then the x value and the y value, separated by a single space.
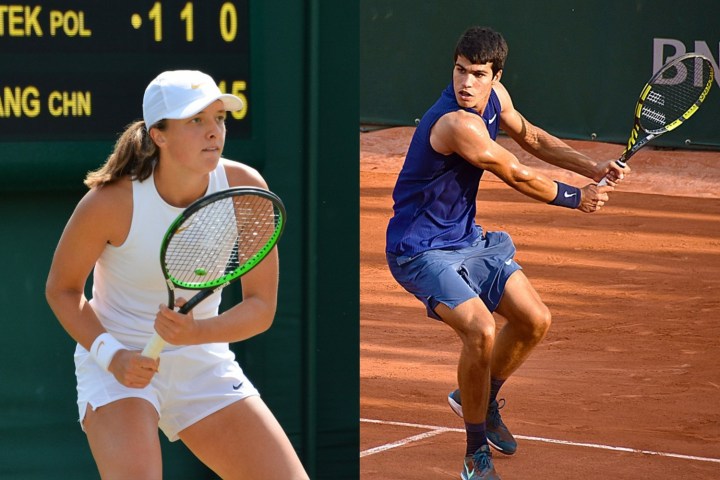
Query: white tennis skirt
pixel 192 383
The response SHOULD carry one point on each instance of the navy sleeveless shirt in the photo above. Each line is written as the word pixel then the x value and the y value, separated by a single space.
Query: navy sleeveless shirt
pixel 434 197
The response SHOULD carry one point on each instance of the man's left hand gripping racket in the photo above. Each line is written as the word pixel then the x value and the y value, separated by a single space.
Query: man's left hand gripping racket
pixel 669 98
pixel 216 240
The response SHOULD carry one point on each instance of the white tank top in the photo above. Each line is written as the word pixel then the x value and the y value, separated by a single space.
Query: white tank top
pixel 128 284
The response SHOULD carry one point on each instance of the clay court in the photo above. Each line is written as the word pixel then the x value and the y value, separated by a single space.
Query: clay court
pixel 627 383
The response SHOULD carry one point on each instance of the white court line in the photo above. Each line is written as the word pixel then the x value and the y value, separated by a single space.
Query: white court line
pixel 404 441
pixel 435 430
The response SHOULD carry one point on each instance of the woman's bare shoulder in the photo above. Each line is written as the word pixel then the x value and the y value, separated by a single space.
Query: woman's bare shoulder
pixel 107 208
pixel 242 175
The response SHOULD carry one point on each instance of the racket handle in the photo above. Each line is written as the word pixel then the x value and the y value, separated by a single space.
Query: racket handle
pixel 604 182
pixel 154 346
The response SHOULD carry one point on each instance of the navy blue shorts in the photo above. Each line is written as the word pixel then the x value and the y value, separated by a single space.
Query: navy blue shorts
pixel 452 277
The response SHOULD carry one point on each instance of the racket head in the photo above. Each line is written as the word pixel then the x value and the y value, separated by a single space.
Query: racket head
pixel 674 93
pixel 221 237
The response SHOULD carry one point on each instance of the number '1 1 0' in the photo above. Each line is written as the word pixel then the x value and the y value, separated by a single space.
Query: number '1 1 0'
pixel 228 21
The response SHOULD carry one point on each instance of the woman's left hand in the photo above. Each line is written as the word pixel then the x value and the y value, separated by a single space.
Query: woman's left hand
pixel 174 327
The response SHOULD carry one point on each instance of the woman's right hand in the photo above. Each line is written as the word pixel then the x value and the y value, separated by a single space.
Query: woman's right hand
pixel 132 369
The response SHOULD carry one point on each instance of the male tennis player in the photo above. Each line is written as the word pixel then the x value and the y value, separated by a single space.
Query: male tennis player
pixel 459 271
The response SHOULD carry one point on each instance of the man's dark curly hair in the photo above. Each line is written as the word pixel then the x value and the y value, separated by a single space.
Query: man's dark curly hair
pixel 482 45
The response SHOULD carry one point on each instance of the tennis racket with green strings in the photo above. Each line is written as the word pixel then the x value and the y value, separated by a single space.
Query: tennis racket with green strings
pixel 215 241
pixel 671 96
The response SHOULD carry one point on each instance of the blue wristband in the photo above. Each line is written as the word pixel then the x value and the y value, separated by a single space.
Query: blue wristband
pixel 567 196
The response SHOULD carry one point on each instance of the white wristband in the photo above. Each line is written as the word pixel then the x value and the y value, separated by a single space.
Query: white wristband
pixel 104 349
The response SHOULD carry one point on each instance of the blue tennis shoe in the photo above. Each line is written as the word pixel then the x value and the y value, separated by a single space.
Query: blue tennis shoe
pixel 498 435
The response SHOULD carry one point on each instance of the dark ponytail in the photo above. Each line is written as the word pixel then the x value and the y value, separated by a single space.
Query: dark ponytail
pixel 134 155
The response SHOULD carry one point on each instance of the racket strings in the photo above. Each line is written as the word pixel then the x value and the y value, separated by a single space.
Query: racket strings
pixel 257 222
pixel 675 92
pixel 219 239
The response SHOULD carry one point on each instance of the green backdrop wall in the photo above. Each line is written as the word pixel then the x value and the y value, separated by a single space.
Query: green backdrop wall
pixel 575 67
pixel 300 130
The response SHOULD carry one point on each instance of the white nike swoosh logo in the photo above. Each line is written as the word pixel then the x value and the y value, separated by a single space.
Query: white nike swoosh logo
pixel 508 261
pixel 569 195
pixel 492 119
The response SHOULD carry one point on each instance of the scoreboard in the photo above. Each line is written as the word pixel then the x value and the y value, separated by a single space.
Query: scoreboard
pixel 74 70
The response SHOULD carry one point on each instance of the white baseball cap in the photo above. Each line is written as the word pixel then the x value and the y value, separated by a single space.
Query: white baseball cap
pixel 181 94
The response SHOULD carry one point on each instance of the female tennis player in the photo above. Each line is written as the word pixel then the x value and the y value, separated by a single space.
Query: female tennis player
pixel 196 391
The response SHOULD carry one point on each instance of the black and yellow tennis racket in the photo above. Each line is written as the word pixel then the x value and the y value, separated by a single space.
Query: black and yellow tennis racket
pixel 216 240
pixel 671 96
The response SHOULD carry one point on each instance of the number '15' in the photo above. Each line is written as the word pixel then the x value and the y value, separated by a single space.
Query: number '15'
pixel 237 88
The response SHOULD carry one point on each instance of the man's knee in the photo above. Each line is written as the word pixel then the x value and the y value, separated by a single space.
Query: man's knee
pixel 539 323
pixel 478 336
pixel 473 323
